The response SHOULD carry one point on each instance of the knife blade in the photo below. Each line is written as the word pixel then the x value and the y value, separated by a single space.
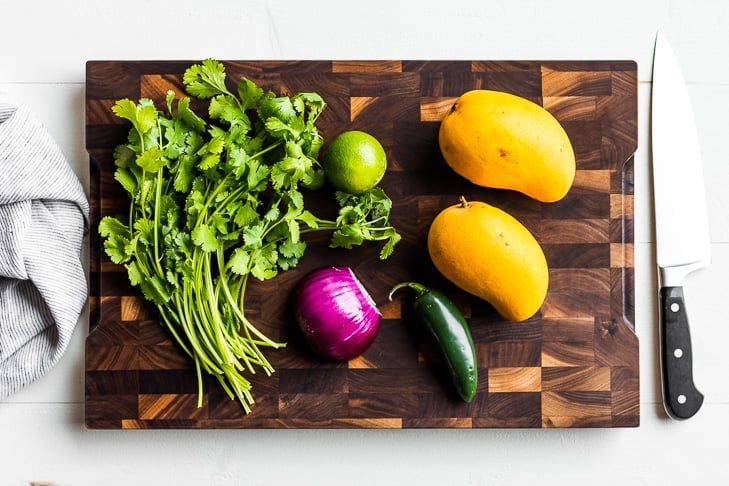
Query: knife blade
pixel 682 229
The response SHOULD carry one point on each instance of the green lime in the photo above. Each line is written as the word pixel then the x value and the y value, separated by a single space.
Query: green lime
pixel 354 162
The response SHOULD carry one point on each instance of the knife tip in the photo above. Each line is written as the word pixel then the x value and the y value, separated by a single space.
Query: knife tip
pixel 661 44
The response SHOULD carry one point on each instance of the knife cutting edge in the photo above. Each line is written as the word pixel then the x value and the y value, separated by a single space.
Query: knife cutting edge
pixel 682 230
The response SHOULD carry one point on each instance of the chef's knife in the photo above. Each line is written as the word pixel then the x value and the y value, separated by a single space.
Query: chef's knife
pixel 682 229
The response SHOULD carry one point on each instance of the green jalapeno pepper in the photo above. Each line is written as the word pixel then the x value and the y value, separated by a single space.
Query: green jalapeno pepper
pixel 450 330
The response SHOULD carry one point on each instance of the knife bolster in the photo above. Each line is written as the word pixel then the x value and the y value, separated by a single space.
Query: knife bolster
pixel 675 275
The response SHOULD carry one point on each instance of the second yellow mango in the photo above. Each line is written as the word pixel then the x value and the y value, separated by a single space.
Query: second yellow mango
pixel 490 254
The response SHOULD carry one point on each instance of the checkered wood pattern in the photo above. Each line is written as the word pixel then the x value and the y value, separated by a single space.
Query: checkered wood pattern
pixel 575 364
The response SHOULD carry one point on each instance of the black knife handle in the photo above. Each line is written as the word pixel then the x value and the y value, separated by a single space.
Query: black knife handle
pixel 680 396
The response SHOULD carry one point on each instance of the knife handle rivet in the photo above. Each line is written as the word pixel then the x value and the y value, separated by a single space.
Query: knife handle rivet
pixel 675 307
pixel 677 353
pixel 681 399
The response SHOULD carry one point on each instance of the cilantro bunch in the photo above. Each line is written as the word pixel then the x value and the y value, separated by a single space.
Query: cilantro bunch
pixel 217 199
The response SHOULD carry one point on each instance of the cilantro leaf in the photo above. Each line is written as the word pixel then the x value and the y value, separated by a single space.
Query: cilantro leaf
pixel 124 156
pixel 313 179
pixel 110 225
pixel 189 117
pixel 280 108
pixel 143 115
pixel 249 93
pixel 208 161
pixel 155 289
pixel 272 214
pixel 346 237
pixel 135 273
pixel 265 263
pixel 116 247
pixel 294 231
pixel 144 230
pixel 205 80
pixel 257 177
pixel 253 235
pixel 239 261
pixel 204 237
pixel 245 215
pixel 280 129
pixel 308 219
pixel 116 239
pixel 227 109
pixel 184 174
pixel 315 103
pixel 152 159
pixel 393 238
pixel 291 249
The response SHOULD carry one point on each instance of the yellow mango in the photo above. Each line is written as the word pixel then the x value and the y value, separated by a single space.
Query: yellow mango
pixel 500 140
pixel 490 254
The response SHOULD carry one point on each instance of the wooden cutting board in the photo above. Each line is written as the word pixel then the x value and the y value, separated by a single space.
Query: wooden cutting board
pixel 575 364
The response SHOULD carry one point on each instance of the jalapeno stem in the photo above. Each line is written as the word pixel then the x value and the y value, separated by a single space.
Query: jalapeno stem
pixel 419 289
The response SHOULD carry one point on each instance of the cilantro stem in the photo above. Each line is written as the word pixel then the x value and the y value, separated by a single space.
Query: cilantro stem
pixel 198 372
pixel 264 151
pixel 203 318
pixel 249 345
pixel 157 209
pixel 167 316
pixel 237 311
pixel 206 300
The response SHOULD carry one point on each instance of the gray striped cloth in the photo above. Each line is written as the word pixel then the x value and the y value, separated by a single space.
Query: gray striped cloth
pixel 43 219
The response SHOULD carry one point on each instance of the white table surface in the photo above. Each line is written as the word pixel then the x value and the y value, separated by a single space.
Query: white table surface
pixel 43 50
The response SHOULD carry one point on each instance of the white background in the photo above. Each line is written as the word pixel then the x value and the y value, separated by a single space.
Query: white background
pixel 43 50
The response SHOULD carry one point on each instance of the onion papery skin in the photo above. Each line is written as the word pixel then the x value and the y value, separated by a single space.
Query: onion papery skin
pixel 338 317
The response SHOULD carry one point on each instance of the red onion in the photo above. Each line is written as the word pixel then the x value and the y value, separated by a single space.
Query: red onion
pixel 337 315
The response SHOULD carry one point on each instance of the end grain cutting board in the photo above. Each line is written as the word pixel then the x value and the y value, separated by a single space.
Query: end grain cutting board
pixel 575 364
